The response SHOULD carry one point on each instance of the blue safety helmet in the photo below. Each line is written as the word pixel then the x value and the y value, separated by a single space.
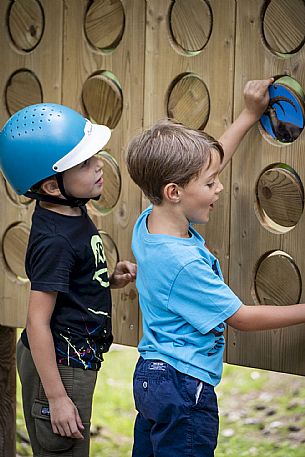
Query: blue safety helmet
pixel 46 139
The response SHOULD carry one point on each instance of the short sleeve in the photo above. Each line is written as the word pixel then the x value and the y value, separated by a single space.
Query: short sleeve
pixel 49 264
pixel 201 297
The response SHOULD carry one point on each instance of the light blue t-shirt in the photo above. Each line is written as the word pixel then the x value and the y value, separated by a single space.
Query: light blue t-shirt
pixel 184 302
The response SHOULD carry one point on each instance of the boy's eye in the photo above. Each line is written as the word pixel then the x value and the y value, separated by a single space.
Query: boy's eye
pixel 85 163
pixel 211 184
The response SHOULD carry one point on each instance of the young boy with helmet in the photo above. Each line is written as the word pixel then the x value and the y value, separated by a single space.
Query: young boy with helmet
pixel 48 153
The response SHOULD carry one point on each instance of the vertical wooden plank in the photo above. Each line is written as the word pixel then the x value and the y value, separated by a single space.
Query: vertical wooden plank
pixel 31 50
pixel 7 392
pixel 31 38
pixel 116 59
pixel 214 65
pixel 31 35
pixel 164 63
pixel 280 350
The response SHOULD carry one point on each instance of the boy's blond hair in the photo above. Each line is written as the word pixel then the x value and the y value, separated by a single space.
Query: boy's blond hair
pixel 168 152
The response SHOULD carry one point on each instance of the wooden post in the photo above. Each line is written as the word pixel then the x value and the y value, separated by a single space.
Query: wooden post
pixel 7 392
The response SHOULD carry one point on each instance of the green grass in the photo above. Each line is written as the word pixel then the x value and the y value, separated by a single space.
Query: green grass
pixel 262 413
pixel 113 407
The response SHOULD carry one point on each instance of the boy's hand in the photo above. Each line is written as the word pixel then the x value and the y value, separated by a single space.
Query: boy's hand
pixel 256 101
pixel 256 97
pixel 124 273
pixel 65 419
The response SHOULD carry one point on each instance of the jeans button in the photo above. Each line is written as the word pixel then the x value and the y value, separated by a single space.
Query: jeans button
pixel 145 384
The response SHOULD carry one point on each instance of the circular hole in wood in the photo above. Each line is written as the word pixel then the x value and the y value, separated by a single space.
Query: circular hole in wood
pixel 277 280
pixel 283 121
pixel 111 251
pixel 283 25
pixel 279 198
pixel 189 101
pixel 15 198
pixel 25 20
pixel 190 25
pixel 22 89
pixel 103 99
pixel 111 188
pixel 104 24
pixel 14 244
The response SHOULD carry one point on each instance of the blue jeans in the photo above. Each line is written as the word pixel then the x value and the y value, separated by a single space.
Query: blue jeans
pixel 177 414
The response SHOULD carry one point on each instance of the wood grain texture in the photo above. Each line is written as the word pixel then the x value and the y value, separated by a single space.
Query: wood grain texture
pixel 111 252
pixel 190 24
pixel 188 102
pixel 126 64
pixel 15 241
pixel 111 188
pixel 23 89
pixel 42 64
pixel 284 25
pixel 25 23
pixel 104 23
pixel 281 196
pixel 214 66
pixel 279 350
pixel 277 280
pixel 103 100
pixel 7 392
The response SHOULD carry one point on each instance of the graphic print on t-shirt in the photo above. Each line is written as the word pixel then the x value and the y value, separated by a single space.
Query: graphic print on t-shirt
pixel 65 255
pixel 90 353
pixel 99 255
pixel 218 332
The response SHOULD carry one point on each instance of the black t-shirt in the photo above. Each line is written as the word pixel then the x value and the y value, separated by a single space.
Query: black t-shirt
pixel 65 254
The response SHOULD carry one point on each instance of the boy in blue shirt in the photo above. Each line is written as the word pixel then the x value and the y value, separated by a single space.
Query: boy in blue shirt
pixel 184 302
pixel 49 152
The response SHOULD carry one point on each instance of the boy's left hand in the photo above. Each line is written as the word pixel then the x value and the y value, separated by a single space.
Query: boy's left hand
pixel 124 273
pixel 256 97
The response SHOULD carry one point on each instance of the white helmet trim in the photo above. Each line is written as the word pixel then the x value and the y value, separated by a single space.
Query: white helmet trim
pixel 94 139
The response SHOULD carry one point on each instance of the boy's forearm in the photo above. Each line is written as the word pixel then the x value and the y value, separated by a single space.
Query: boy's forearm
pixel 265 317
pixel 256 97
pixel 233 136
pixel 43 353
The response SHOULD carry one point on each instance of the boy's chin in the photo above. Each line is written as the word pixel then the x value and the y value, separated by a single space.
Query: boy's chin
pixel 97 197
pixel 199 222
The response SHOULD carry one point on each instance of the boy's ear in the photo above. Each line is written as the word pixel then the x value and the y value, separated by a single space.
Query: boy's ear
pixel 171 193
pixel 50 187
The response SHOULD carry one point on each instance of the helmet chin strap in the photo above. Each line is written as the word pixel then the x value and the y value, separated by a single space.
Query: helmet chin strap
pixel 69 199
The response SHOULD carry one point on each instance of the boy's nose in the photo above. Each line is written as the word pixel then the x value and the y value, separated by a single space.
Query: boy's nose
pixel 219 187
pixel 99 162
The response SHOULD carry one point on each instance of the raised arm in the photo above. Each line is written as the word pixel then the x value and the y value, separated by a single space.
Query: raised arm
pixel 256 98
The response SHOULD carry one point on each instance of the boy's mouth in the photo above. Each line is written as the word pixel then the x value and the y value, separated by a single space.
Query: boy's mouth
pixel 212 204
pixel 100 181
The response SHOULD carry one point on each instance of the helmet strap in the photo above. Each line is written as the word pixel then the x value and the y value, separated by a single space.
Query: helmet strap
pixel 71 201
pixel 67 201
pixel 70 198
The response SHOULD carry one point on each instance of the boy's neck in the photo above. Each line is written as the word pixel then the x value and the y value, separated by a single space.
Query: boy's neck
pixel 61 209
pixel 165 220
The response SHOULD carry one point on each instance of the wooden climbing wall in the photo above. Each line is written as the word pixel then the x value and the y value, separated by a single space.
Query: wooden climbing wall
pixel 189 72
pixel 267 263
pixel 103 71
pixel 189 68
pixel 128 63
pixel 89 56
pixel 31 72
